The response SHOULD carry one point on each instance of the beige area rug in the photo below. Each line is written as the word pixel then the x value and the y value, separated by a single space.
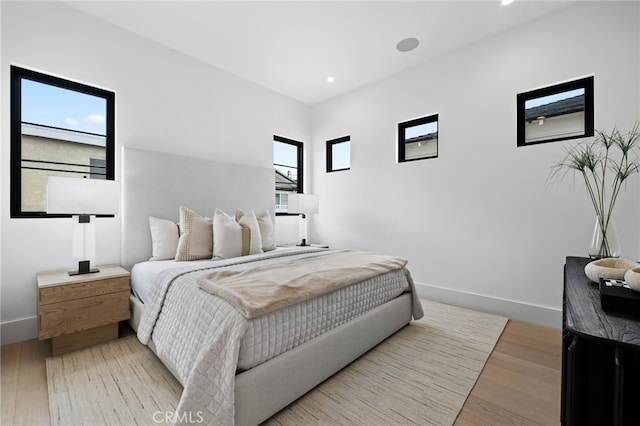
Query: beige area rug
pixel 421 375
pixel 116 383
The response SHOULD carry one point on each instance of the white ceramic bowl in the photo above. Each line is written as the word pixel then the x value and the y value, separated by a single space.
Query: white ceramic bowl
pixel 609 268
pixel 632 277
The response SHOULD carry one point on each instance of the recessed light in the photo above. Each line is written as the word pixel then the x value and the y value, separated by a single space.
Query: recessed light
pixel 407 44
pixel 506 2
pixel 330 79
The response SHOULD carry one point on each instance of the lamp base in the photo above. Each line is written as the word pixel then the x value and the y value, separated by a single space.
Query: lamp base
pixel 90 271
pixel 83 268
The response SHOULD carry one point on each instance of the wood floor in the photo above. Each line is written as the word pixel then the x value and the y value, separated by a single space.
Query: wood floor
pixel 520 385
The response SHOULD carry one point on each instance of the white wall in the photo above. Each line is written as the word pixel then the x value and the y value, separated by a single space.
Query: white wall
pixel 479 224
pixel 2 178
pixel 165 101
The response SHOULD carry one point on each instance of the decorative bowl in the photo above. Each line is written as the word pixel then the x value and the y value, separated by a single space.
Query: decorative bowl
pixel 612 268
pixel 632 277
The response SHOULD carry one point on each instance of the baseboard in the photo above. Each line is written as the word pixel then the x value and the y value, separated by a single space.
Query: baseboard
pixel 542 315
pixel 18 330
pixel 27 328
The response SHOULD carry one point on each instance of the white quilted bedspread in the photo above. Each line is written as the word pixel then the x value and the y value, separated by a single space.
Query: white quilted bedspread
pixel 204 340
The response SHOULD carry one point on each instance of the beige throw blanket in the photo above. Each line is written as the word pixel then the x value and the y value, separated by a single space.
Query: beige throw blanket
pixel 264 289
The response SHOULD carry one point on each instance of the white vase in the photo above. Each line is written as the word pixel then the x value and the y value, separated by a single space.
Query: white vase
pixel 604 243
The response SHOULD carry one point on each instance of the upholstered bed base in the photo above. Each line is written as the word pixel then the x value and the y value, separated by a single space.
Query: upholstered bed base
pixel 266 389
pixel 156 184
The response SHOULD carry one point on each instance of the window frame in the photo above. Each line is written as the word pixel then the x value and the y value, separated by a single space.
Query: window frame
pixel 586 83
pixel 330 144
pixel 15 179
pixel 402 128
pixel 300 159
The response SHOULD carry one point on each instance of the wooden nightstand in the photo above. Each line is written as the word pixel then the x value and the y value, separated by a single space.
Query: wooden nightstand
pixel 82 310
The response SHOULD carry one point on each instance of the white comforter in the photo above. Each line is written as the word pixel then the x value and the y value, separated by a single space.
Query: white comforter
pixel 199 335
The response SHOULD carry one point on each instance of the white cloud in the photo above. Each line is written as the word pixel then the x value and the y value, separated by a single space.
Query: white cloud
pixel 96 118
pixel 69 121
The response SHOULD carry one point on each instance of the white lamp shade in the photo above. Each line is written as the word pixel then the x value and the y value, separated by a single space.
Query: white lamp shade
pixel 303 203
pixel 67 195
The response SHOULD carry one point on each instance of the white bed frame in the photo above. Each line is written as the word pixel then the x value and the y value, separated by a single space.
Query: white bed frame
pixel 157 184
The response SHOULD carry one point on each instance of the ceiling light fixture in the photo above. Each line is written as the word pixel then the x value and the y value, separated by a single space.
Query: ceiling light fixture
pixel 330 79
pixel 407 44
pixel 506 2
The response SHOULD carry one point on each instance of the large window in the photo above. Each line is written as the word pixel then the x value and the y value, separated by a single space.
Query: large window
pixel 556 113
pixel 287 161
pixel 58 128
pixel 418 139
pixel 339 154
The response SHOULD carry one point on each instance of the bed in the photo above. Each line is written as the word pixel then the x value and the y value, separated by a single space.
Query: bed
pixel 266 368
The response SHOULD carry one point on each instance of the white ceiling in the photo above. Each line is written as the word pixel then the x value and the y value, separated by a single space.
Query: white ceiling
pixel 292 47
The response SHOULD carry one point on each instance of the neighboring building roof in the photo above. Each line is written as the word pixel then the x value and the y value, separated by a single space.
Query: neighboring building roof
pixel 553 109
pixel 428 136
pixel 57 133
pixel 284 183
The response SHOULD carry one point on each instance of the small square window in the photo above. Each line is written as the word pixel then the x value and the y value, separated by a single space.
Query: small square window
pixel 556 113
pixel 418 139
pixel 339 154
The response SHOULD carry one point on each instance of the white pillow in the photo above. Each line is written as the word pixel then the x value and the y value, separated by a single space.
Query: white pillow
pixel 164 238
pixel 249 221
pixel 232 238
pixel 196 238
pixel 267 231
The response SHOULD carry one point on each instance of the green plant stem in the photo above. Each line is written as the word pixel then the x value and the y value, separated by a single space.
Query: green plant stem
pixel 604 171
pixel 593 197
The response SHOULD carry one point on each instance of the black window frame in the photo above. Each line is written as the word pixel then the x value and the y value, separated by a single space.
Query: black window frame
pixel 17 74
pixel 586 83
pixel 402 128
pixel 300 159
pixel 330 144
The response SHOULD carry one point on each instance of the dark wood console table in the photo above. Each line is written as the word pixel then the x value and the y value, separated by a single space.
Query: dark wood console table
pixel 600 356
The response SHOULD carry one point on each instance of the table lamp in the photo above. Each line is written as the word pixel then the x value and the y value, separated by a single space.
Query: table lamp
pixel 83 199
pixel 303 204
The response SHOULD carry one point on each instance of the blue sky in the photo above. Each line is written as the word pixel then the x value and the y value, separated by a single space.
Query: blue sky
pixel 67 109
pixel 552 98
pixel 285 154
pixel 421 130
pixel 340 155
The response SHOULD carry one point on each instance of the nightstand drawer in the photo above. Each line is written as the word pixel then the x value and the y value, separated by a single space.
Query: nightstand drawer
pixel 82 290
pixel 75 315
